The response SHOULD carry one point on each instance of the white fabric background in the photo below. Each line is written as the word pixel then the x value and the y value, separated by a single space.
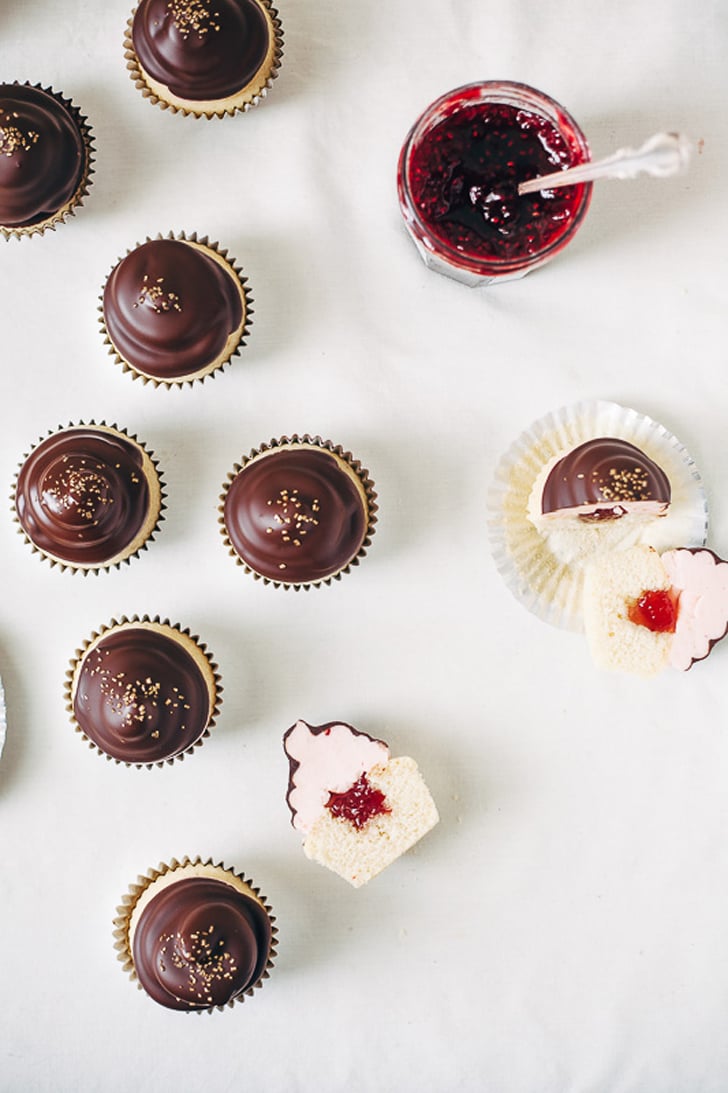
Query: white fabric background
pixel 563 930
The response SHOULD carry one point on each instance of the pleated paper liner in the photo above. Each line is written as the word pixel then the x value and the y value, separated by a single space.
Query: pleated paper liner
pixel 235 341
pixel 350 466
pixel 153 881
pixel 251 94
pixel 122 552
pixel 3 718
pixel 132 704
pixel 545 578
pixel 53 219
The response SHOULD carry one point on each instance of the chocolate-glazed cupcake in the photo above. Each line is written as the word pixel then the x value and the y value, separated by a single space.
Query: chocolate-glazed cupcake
pixel 604 479
pixel 195 936
pixel 175 310
pixel 45 159
pixel 204 57
pixel 88 497
pixel 298 512
pixel 143 692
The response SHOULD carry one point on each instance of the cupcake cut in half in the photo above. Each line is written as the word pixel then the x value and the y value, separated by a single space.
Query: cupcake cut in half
pixel 175 310
pixel 644 612
pixel 358 809
pixel 208 58
pixel 88 497
pixel 143 692
pixel 582 482
pixel 195 936
pixel 298 512
pixel 45 159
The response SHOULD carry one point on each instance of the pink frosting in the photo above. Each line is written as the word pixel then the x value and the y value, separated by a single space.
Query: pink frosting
pixel 701 579
pixel 326 759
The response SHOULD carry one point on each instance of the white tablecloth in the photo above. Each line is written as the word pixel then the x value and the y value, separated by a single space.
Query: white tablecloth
pixel 563 930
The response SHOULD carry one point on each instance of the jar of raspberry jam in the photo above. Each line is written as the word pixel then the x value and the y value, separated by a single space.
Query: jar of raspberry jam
pixel 458 176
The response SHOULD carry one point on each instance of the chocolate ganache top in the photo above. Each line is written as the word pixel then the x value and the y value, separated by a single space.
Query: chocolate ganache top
pixel 83 497
pixel 42 155
pixel 202 50
pixel 296 514
pixel 140 696
pixel 608 473
pixel 200 942
pixel 169 308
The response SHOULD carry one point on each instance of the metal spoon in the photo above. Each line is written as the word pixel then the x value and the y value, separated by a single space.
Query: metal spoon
pixel 662 155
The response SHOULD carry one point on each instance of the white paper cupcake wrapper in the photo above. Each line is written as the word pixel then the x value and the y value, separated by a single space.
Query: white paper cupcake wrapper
pixel 3 722
pixel 547 583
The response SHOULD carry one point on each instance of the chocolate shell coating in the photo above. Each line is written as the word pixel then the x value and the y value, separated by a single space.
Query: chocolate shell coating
pixel 202 50
pixel 139 695
pixel 42 155
pixel 82 495
pixel 169 308
pixel 294 515
pixel 605 472
pixel 315 730
pixel 199 943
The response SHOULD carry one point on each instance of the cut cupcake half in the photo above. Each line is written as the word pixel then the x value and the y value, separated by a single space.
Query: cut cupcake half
pixel 357 808
pixel 644 612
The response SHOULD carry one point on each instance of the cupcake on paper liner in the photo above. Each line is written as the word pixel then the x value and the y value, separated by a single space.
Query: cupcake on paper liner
pixel 298 512
pixel 584 481
pixel 207 58
pixel 644 611
pixel 88 497
pixel 143 692
pixel 46 152
pixel 175 309
pixel 195 936
pixel 358 809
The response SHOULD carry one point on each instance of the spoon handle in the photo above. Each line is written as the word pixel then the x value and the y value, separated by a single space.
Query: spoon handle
pixel 662 155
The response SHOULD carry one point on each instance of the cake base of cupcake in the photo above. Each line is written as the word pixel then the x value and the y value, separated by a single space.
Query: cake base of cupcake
pixel 359 854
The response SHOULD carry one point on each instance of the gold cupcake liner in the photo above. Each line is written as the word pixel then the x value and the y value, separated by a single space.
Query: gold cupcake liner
pixel 242 101
pixel 544 582
pixel 211 370
pixel 69 209
pixel 314 441
pixel 192 867
pixel 142 540
pixel 191 643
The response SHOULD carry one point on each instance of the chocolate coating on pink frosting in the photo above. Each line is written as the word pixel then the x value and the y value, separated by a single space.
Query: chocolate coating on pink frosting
pixel 82 495
pixel 295 515
pixel 199 943
pixel 202 50
pixel 140 697
pixel 331 751
pixel 606 472
pixel 42 155
pixel 169 308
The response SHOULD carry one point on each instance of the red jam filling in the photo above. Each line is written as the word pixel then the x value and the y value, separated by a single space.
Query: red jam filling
pixel 359 804
pixel 655 609
pixel 464 177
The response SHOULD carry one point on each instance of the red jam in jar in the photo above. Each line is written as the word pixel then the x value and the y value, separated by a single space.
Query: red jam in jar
pixel 459 173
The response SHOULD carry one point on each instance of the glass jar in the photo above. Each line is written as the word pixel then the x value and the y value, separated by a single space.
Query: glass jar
pixel 458 177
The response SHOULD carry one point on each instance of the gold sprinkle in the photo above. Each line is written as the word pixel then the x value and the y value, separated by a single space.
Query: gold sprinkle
pixel 12 138
pixel 193 15
pixel 154 294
